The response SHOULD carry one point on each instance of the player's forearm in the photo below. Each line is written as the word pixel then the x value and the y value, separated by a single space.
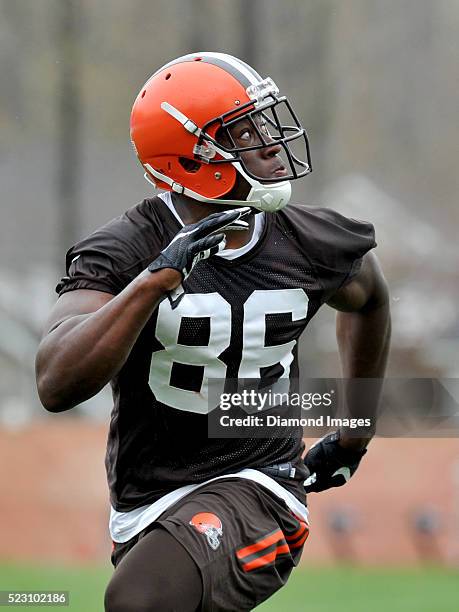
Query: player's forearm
pixel 363 340
pixel 78 358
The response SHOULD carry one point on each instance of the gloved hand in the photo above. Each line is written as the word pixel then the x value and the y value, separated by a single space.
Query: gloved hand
pixel 329 464
pixel 195 242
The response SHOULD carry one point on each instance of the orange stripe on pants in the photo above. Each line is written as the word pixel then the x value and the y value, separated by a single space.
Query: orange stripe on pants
pixel 260 544
pixel 266 559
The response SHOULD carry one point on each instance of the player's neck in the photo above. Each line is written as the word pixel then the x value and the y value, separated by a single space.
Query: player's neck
pixel 191 211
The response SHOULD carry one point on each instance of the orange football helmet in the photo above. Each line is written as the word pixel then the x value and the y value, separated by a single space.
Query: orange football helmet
pixel 180 114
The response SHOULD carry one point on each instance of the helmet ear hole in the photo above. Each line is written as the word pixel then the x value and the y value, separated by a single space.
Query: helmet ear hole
pixel 190 165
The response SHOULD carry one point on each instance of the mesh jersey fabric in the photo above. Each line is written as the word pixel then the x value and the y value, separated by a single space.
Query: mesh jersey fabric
pixel 237 315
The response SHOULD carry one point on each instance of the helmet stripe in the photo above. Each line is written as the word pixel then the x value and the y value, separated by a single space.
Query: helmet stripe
pixel 244 73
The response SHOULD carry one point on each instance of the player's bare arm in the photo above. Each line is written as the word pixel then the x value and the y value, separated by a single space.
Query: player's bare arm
pixel 363 333
pixel 363 330
pixel 89 336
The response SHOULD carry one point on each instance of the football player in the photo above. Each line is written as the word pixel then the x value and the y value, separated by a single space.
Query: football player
pixel 214 278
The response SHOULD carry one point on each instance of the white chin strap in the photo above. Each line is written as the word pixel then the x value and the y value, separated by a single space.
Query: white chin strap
pixel 269 198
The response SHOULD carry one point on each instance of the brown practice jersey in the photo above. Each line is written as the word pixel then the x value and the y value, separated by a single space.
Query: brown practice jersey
pixel 239 318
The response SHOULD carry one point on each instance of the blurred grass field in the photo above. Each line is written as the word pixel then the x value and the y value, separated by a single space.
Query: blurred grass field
pixel 343 589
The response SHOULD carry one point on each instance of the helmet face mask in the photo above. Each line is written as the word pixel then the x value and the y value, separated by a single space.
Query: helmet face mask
pixel 205 121
pixel 265 121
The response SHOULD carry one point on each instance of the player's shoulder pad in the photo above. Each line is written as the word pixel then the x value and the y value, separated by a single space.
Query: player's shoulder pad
pixel 330 240
pixel 136 234
pixel 119 250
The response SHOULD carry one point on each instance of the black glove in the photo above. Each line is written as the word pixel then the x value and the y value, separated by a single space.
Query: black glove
pixel 329 464
pixel 195 242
